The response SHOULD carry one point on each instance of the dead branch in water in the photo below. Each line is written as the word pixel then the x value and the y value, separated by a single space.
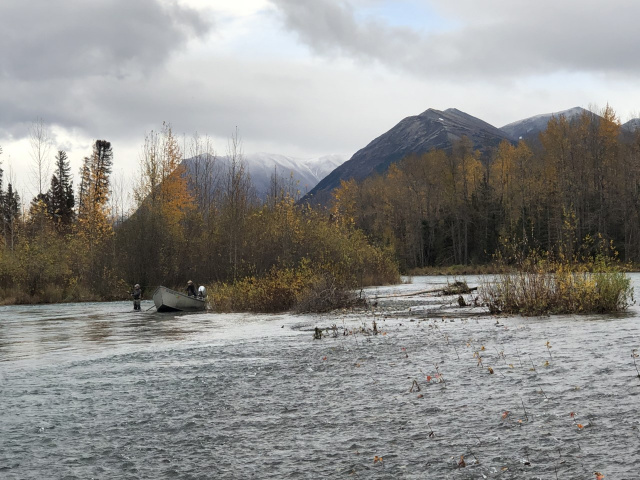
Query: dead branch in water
pixel 421 292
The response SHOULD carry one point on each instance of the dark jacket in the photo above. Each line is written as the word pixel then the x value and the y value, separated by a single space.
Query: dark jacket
pixel 191 290
pixel 137 293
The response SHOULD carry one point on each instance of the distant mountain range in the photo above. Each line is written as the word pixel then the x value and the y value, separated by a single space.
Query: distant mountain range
pixel 632 125
pixel 305 172
pixel 532 126
pixel 433 130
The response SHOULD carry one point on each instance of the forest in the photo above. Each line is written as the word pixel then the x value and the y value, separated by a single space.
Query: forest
pixel 573 187
pixel 577 181
pixel 207 226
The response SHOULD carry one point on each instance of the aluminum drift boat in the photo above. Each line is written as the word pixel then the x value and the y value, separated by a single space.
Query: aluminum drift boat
pixel 167 300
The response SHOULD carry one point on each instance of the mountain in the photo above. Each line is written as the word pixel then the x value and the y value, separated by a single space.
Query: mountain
pixel 431 130
pixel 530 127
pixel 307 172
pixel 632 125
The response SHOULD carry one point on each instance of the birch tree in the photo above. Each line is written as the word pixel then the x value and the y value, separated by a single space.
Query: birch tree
pixel 40 142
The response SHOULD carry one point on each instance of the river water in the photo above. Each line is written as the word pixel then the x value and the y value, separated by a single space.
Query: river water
pixel 97 390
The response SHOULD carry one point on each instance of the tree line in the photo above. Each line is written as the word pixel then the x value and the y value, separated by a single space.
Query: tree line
pixel 201 219
pixel 198 219
pixel 578 180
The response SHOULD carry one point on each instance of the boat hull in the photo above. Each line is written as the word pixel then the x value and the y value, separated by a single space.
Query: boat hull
pixel 167 300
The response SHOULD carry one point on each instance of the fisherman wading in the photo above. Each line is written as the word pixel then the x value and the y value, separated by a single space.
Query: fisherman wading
pixel 137 296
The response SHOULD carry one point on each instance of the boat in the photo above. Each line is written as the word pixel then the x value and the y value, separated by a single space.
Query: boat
pixel 167 300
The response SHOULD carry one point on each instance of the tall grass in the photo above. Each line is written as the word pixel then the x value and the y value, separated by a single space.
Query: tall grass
pixel 558 286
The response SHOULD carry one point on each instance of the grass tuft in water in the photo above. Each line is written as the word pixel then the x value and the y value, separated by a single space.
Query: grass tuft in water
pixel 542 285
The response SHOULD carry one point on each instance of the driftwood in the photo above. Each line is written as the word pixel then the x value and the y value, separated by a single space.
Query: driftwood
pixel 437 290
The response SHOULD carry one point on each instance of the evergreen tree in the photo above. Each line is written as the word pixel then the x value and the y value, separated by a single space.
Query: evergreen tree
pixel 61 198
pixel 94 230
pixel 39 212
pixel 101 165
pixel 93 196
pixel 10 209
pixel 2 223
pixel 83 188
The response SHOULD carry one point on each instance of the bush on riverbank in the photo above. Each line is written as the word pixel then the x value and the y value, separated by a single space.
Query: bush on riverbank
pixel 284 289
pixel 542 285
pixel 304 289
pixel 336 265
pixel 324 265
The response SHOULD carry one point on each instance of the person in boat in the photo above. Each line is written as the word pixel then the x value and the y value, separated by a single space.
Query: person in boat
pixel 191 289
pixel 202 292
pixel 137 296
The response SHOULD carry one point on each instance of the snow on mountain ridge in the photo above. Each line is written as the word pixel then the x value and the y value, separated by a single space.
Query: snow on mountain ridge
pixel 569 113
pixel 531 126
pixel 317 167
pixel 307 172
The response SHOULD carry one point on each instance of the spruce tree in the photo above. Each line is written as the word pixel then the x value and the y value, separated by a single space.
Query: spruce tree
pixel 10 209
pixel 61 198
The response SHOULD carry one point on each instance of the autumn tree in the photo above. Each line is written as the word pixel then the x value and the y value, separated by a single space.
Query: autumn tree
pixel 94 248
pixel 93 195
pixel 154 236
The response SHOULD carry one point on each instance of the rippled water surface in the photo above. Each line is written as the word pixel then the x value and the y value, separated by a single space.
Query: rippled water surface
pixel 100 391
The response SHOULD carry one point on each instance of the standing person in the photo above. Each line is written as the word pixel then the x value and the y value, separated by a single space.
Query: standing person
pixel 191 289
pixel 137 296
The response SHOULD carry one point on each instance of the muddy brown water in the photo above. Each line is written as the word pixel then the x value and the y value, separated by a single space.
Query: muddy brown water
pixel 100 391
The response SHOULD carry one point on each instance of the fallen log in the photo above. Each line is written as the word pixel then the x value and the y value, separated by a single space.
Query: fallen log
pixel 421 292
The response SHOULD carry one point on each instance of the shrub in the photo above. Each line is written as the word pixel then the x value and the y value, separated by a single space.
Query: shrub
pixel 324 293
pixel 543 286
pixel 301 289
pixel 275 292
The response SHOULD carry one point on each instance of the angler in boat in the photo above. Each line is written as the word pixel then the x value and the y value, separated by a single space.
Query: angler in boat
pixel 167 300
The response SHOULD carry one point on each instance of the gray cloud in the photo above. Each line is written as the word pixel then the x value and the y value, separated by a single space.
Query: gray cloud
pixel 65 61
pixel 44 39
pixel 115 69
pixel 490 39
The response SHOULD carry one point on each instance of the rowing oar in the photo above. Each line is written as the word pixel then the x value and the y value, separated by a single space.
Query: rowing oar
pixel 150 307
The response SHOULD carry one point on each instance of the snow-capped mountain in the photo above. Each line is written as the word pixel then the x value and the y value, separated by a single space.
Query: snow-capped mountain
pixel 530 127
pixel 304 173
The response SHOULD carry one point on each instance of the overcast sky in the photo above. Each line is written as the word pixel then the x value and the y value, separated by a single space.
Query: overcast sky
pixel 298 77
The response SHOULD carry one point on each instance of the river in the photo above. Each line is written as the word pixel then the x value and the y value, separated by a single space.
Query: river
pixel 96 390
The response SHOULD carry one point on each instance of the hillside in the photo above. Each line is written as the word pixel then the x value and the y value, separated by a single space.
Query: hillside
pixel 530 127
pixel 431 130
